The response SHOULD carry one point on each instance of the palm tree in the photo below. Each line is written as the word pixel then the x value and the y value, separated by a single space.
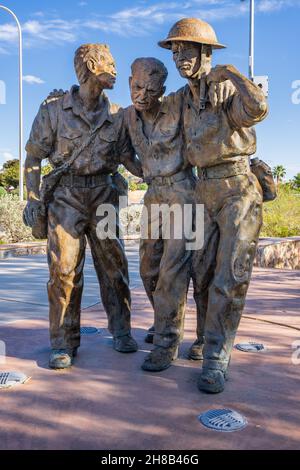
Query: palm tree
pixel 279 172
pixel 296 181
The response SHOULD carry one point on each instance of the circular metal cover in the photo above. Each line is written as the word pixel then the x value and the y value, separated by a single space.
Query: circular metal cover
pixel 250 347
pixel 88 330
pixel 10 379
pixel 224 420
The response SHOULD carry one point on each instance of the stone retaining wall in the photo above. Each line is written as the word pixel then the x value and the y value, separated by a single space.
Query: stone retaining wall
pixel 281 253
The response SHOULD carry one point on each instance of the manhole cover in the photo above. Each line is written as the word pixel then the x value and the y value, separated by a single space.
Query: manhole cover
pixel 9 379
pixel 250 347
pixel 223 420
pixel 88 330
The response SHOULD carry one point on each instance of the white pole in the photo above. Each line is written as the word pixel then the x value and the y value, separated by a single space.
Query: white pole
pixel 21 191
pixel 251 41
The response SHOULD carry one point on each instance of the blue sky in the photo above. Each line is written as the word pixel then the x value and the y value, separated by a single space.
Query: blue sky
pixel 54 29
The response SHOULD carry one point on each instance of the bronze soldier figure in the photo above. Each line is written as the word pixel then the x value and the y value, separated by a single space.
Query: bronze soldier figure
pixel 155 128
pixel 61 127
pixel 219 141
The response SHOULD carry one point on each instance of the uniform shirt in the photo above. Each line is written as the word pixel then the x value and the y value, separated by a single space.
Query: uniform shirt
pixel 216 136
pixel 161 153
pixel 61 126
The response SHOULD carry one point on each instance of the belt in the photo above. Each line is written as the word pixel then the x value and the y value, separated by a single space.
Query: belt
pixel 168 180
pixel 84 181
pixel 225 170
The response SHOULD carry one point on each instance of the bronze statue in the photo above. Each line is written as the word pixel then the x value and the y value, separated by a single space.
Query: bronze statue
pixel 219 141
pixel 155 128
pixel 83 127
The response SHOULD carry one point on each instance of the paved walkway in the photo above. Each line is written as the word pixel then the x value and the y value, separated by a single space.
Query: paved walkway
pixel 107 402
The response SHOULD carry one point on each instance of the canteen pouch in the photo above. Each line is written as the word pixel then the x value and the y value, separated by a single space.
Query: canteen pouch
pixel 263 173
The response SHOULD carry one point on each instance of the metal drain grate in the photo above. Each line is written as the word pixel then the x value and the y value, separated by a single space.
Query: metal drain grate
pixel 250 347
pixel 9 379
pixel 223 420
pixel 89 330
pixel 3 377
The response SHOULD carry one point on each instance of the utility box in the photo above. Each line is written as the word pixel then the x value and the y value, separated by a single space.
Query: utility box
pixel 263 82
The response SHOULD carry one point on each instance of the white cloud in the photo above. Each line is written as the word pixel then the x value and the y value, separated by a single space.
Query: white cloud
pixel 269 6
pixel 5 155
pixel 32 80
pixel 36 32
pixel 135 21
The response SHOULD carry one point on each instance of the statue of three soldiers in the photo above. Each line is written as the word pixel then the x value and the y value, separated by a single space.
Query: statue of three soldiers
pixel 207 125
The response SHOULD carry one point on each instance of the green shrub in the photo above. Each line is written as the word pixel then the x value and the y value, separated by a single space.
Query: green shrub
pixel 282 216
pixel 12 228
pixel 2 191
pixel 133 186
pixel 142 186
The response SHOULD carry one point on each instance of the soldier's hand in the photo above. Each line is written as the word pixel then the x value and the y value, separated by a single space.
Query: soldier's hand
pixel 56 93
pixel 31 211
pixel 219 93
pixel 220 73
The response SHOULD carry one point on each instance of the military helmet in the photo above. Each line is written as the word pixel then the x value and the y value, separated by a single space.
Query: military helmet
pixel 192 30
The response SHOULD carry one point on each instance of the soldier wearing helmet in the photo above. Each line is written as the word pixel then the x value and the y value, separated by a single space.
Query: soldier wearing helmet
pixel 219 141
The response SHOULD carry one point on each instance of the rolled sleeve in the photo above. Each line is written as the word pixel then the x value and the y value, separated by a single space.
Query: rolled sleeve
pixel 41 137
pixel 240 117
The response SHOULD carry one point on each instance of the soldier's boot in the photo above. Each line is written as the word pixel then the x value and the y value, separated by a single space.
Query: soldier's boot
pixel 150 335
pixel 211 381
pixel 196 350
pixel 62 358
pixel 160 358
pixel 125 344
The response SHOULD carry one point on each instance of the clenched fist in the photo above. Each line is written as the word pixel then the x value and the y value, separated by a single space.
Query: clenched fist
pixel 31 212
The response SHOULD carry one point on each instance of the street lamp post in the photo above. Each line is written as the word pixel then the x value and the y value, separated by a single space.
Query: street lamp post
pixel 262 80
pixel 251 41
pixel 21 191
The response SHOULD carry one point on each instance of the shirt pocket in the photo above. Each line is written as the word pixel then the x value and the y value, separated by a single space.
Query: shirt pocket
pixel 68 140
pixel 209 128
pixel 106 142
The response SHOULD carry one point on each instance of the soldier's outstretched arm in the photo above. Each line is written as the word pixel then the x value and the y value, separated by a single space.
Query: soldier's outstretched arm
pixel 127 153
pixel 248 105
pixel 132 163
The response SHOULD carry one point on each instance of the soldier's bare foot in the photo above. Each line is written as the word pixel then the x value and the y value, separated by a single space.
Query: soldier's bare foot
pixel 150 334
pixel 211 381
pixel 160 358
pixel 196 350
pixel 125 344
pixel 62 358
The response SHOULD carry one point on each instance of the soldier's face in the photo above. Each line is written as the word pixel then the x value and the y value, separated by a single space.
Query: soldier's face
pixel 105 71
pixel 187 57
pixel 145 90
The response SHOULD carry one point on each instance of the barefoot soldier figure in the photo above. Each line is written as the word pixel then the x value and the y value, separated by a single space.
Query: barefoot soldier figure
pixel 155 128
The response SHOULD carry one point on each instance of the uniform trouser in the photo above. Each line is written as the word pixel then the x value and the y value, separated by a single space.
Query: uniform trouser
pixel 165 264
pixel 222 268
pixel 71 219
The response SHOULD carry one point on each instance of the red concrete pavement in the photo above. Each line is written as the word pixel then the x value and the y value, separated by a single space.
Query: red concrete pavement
pixel 105 401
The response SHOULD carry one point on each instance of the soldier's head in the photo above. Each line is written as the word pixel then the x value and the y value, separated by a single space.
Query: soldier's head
pixel 191 59
pixel 148 76
pixel 94 62
pixel 191 41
